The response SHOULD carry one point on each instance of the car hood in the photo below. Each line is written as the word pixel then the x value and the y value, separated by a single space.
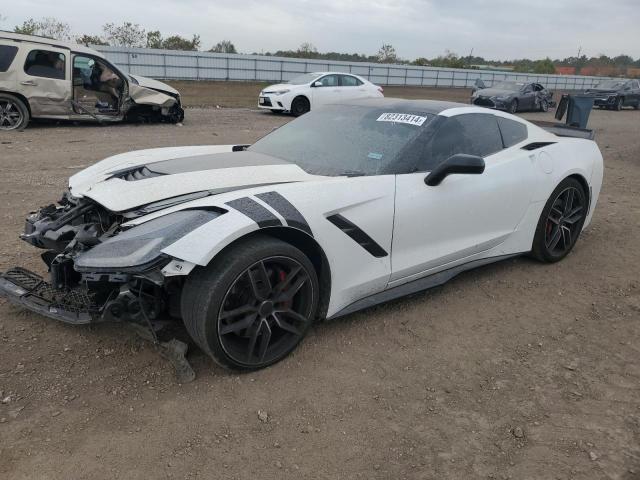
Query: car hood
pixel 131 180
pixel 281 86
pixel 600 91
pixel 154 84
pixel 495 92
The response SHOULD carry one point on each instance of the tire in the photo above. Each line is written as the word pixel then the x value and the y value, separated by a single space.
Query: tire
pixel 561 222
pixel 300 106
pixel 618 105
pixel 260 289
pixel 14 114
pixel 513 107
pixel 544 105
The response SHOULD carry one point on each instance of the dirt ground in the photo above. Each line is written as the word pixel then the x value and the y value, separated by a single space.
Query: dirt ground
pixel 517 370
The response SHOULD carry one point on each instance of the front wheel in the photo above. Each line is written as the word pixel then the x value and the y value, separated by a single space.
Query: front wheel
pixel 253 304
pixel 14 114
pixel 300 106
pixel 513 106
pixel 544 105
pixel 618 105
pixel 561 222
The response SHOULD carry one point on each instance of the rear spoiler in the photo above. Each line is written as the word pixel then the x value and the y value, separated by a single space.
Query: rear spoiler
pixel 577 109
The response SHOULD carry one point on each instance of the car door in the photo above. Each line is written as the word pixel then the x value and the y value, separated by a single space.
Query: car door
pixel 351 87
pixel 325 90
pixel 631 92
pixel 46 81
pixel 527 97
pixel 438 227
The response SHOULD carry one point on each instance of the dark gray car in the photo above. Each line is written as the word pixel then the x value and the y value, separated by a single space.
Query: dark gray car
pixel 513 97
pixel 615 94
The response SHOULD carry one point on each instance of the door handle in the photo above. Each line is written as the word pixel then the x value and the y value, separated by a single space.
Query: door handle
pixel 29 82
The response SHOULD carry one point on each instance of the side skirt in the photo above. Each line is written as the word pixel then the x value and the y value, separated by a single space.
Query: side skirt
pixel 415 286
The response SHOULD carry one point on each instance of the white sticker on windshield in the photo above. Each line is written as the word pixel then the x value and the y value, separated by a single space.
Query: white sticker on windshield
pixel 402 118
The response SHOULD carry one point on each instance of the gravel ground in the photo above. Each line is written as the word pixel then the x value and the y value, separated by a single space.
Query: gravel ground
pixel 516 370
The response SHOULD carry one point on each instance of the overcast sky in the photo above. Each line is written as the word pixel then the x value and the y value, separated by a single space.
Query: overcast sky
pixel 495 29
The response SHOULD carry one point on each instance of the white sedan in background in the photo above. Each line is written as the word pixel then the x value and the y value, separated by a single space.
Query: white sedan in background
pixel 311 90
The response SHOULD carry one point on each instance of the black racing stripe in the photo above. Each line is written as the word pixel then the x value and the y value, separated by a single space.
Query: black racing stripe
pixel 255 211
pixel 364 240
pixel 286 209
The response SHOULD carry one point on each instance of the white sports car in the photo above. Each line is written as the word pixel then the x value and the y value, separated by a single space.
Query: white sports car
pixel 313 90
pixel 341 209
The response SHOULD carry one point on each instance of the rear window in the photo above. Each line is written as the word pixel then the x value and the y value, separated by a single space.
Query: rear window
pixel 7 54
pixel 512 132
pixel 45 63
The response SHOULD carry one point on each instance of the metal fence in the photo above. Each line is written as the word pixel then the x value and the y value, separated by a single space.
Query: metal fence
pixel 179 65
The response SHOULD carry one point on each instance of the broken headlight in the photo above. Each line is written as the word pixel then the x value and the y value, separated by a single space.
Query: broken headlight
pixel 141 247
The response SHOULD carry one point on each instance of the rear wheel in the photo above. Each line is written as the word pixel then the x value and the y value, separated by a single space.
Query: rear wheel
pixel 561 221
pixel 513 106
pixel 300 106
pixel 252 306
pixel 14 114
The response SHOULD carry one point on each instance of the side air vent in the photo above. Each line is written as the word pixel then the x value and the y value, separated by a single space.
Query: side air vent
pixel 536 145
pixel 140 173
pixel 359 236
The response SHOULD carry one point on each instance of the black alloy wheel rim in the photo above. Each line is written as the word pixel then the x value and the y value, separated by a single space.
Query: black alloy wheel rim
pixel 299 107
pixel 564 221
pixel 10 115
pixel 266 311
pixel 513 107
pixel 544 106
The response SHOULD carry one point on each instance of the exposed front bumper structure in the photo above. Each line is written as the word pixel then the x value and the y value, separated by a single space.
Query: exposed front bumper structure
pixel 31 291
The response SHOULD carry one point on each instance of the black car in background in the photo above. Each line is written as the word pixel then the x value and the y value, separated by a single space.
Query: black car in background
pixel 615 94
pixel 513 96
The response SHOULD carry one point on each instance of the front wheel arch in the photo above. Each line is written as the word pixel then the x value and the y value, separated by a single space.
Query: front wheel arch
pixel 307 245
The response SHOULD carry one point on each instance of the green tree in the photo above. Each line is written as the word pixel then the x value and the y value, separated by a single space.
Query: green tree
pixel 307 50
pixel 126 35
pixel 88 40
pixel 544 66
pixel 176 42
pixel 154 39
pixel 45 27
pixel 224 46
pixel 387 54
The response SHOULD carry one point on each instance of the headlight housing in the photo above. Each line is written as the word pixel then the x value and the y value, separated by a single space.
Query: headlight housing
pixel 281 92
pixel 141 247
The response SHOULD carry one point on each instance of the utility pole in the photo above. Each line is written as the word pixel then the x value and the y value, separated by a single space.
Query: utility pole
pixel 579 51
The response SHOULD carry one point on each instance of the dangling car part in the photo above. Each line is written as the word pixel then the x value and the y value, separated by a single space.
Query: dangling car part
pixel 50 79
pixel 249 245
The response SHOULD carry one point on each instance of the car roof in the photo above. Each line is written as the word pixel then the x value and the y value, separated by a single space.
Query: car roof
pixel 401 105
pixel 35 39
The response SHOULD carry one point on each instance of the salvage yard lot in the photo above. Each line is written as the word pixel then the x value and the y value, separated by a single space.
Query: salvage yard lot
pixel 516 370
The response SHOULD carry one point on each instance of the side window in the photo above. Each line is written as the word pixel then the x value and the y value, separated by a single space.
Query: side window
pixel 528 88
pixel 44 63
pixel 7 54
pixel 512 132
pixel 472 133
pixel 329 81
pixel 349 81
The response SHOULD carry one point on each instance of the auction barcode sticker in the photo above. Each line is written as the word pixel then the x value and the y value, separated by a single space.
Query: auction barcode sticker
pixel 402 118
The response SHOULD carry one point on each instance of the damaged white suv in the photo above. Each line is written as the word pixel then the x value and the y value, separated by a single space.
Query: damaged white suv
pixel 45 78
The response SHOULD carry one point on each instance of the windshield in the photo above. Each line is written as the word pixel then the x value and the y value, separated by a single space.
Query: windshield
pixel 302 79
pixel 512 86
pixel 609 85
pixel 339 140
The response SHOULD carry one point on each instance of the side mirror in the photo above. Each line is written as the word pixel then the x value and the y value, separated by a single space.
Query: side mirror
pixel 317 84
pixel 458 163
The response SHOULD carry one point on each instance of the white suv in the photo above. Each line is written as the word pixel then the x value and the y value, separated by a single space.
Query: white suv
pixel 44 78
